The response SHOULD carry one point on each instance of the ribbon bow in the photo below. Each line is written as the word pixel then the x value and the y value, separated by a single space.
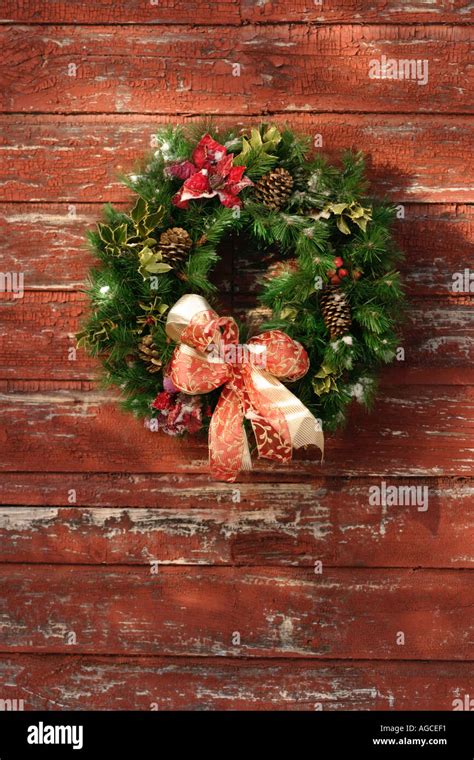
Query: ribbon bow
pixel 209 355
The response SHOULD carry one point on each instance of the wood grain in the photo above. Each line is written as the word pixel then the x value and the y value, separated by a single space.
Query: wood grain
pixel 176 520
pixel 281 68
pixel 291 612
pixel 437 240
pixel 398 376
pixel 235 11
pixel 58 682
pixel 79 159
pixel 414 431
pixel 90 500
pixel 436 333
pixel 357 11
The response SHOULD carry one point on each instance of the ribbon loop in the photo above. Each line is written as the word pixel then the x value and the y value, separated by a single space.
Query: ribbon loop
pixel 279 420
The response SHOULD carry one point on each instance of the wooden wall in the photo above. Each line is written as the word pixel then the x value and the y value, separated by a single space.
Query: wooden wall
pixel 132 596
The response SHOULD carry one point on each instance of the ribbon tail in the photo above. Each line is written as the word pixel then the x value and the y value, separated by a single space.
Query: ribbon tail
pixel 287 419
pixel 228 445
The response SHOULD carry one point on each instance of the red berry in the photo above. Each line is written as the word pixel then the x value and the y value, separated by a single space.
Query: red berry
pixel 343 273
pixel 356 274
pixel 335 280
pixel 331 272
pixel 338 261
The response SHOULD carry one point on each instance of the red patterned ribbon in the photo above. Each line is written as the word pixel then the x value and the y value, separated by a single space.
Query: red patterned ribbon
pixel 201 363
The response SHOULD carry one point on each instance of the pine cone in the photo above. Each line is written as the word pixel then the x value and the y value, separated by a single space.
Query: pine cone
pixel 174 245
pixel 148 353
pixel 336 311
pixel 274 188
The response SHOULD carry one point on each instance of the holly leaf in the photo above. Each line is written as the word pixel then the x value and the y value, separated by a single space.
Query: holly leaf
pixel 139 210
pixel 343 226
pixel 150 263
pixel 255 139
pixel 106 234
pixel 158 267
pixel 289 313
pixel 120 234
pixel 259 142
pixel 361 223
pixel 271 137
pixel 337 208
pixel 153 220
pixel 356 211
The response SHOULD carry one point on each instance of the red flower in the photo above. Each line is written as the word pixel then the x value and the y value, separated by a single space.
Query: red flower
pixel 208 152
pixel 162 401
pixel 181 169
pixel 196 186
pixel 214 175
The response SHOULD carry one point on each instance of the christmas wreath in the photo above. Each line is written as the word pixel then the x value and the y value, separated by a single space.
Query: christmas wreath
pixel 329 302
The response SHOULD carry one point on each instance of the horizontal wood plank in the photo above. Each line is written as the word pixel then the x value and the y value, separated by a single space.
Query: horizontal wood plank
pixel 191 521
pixel 284 68
pixel 437 333
pixel 202 12
pixel 393 375
pixel 235 11
pixel 436 238
pixel 291 612
pixel 58 682
pixel 358 11
pixel 417 431
pixel 66 159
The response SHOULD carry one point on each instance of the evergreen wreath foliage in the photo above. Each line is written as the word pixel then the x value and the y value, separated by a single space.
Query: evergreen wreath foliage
pixel 336 261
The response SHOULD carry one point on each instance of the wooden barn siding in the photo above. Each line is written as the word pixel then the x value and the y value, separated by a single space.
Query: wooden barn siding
pixel 154 567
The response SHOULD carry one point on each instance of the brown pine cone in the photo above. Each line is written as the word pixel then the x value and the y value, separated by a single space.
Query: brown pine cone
pixel 336 311
pixel 274 188
pixel 148 353
pixel 174 245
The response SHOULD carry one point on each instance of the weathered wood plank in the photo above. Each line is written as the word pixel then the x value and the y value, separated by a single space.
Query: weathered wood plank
pixel 128 12
pixel 417 431
pixel 180 491
pixel 190 521
pixel 358 11
pixel 38 239
pixel 58 682
pixel 130 69
pixel 40 386
pixel 233 11
pixel 54 318
pixel 66 159
pixel 437 333
pixel 394 375
pixel 437 239
pixel 341 614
